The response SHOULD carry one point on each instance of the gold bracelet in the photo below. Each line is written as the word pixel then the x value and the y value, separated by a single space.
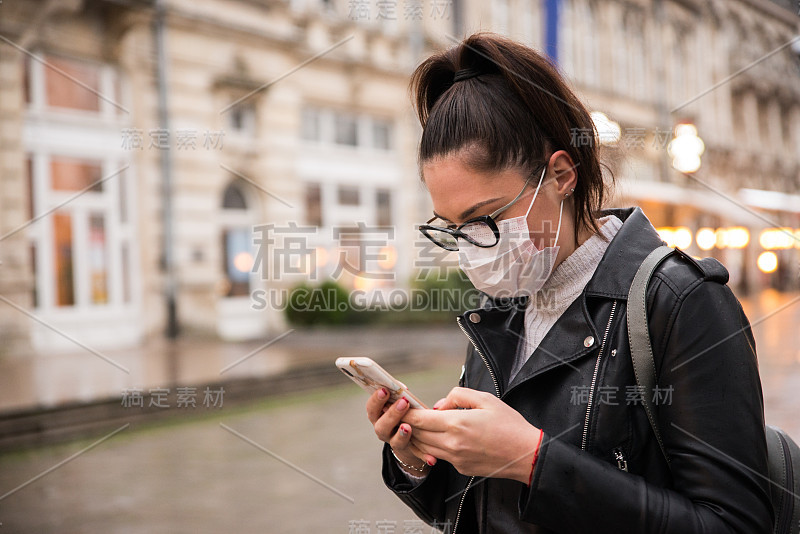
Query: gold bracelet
pixel 401 462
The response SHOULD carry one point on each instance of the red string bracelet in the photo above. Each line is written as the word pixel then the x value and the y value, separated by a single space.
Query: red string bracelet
pixel 535 456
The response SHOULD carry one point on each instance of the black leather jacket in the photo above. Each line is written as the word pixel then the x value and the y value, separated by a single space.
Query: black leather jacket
pixel 599 467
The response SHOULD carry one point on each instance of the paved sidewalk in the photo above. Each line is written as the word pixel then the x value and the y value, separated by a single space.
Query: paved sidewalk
pixel 191 474
pixel 197 476
pixel 80 376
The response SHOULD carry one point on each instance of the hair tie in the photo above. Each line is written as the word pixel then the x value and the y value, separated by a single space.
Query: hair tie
pixel 465 74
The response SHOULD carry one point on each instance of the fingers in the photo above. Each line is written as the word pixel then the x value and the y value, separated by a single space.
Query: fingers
pixel 376 404
pixel 430 420
pixel 427 451
pixel 401 438
pixel 464 398
pixel 402 441
pixel 386 424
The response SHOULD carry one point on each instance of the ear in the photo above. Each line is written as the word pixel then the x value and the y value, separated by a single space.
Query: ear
pixel 563 170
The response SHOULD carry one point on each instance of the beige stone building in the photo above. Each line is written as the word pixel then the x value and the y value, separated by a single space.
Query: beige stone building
pixel 281 113
pixel 728 67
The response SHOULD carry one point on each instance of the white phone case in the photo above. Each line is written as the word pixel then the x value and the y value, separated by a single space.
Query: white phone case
pixel 371 377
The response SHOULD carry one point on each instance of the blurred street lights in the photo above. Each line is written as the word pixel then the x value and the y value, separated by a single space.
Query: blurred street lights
pixel 686 148
pixel 767 262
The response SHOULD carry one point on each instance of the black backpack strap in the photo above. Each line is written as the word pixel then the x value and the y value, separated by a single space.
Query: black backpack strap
pixel 644 367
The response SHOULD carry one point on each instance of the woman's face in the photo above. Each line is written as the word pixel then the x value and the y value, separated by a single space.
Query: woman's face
pixel 460 193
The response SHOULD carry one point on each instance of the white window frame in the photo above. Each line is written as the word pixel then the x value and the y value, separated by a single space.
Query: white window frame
pixel 51 132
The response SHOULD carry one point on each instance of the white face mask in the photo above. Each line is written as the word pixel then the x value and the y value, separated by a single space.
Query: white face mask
pixel 514 267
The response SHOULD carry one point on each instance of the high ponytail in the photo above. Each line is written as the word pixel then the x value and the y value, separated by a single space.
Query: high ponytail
pixel 513 114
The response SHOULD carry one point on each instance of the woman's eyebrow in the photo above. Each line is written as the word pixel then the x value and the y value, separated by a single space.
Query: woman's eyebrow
pixel 469 211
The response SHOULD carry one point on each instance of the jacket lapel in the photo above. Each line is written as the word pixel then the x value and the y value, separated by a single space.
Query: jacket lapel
pixel 565 342
pixel 497 330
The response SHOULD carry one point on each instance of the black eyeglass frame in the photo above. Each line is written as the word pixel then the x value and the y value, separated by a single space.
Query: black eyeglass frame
pixel 457 233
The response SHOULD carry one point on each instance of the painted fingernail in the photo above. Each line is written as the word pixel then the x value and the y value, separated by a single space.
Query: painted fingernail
pixel 431 462
pixel 382 393
pixel 438 403
pixel 402 404
pixel 404 430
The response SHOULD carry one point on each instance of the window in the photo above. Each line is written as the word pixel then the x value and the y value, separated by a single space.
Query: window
pixel 314 204
pixel 242 118
pixel 345 130
pixel 62 92
pixel 98 259
pixel 233 199
pixel 383 202
pixel 73 259
pixel 237 256
pixel 78 87
pixel 348 195
pixel 237 261
pixel 336 127
pixel 310 125
pixel 63 273
pixel 381 134
pixel 75 175
pixel 83 245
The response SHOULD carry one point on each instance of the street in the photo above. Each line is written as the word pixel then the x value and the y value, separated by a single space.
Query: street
pixel 304 462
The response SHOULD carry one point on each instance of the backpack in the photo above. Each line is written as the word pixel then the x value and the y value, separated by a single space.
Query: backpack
pixel 783 452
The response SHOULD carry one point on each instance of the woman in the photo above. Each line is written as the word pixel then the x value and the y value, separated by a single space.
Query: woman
pixel 550 436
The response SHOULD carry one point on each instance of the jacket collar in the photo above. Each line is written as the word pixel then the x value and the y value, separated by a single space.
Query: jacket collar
pixel 633 242
pixel 497 328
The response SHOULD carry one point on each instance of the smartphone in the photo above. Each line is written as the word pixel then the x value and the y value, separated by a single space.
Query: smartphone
pixel 371 377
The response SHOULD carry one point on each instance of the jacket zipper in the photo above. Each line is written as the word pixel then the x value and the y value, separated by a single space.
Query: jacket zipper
pixel 497 392
pixel 622 463
pixel 594 377
pixel 480 353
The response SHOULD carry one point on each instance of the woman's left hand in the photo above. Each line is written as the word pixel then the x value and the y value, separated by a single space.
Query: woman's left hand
pixel 488 439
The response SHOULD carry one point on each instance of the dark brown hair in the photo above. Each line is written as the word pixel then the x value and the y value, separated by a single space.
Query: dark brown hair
pixel 513 115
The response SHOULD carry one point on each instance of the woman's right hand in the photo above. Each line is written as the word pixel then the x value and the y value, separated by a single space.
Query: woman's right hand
pixel 385 420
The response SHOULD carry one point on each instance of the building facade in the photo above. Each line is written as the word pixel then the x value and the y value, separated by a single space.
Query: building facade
pixel 282 119
pixel 729 68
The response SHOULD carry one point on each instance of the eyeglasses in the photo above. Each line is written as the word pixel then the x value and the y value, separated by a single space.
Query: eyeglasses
pixel 481 231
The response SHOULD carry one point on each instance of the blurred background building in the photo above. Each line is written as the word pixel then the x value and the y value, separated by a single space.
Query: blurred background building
pixel 145 145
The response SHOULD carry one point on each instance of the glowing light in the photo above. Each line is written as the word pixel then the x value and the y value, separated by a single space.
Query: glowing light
pixel 243 262
pixel 666 234
pixel 722 237
pixel 777 238
pixel 686 148
pixel 387 258
pixel 767 262
pixel 737 237
pixel 680 237
pixel 705 239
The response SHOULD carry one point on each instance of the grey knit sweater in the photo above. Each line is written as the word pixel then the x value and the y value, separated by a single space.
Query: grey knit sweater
pixel 562 288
